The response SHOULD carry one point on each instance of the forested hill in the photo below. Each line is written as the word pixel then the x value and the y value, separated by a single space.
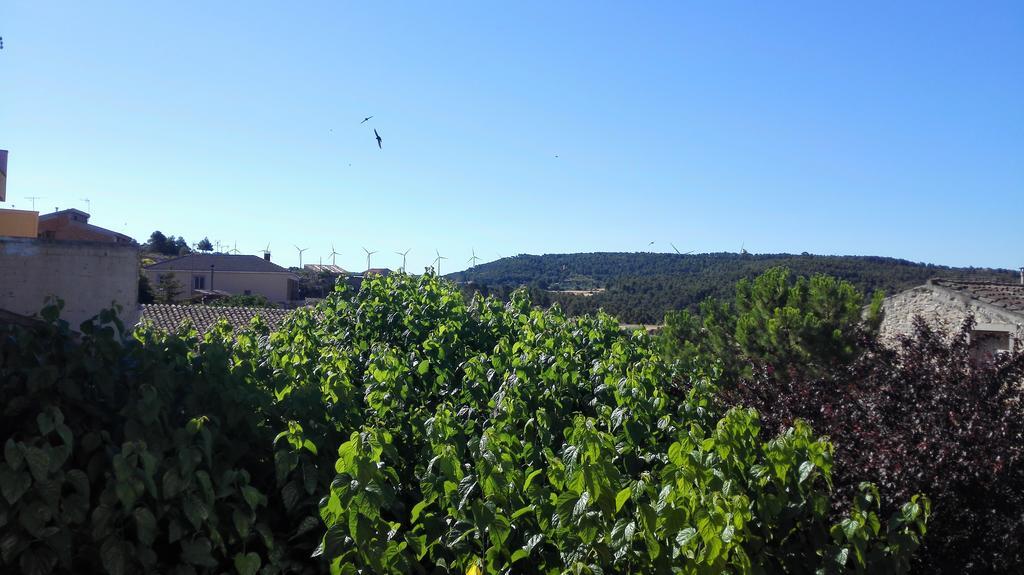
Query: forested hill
pixel 641 287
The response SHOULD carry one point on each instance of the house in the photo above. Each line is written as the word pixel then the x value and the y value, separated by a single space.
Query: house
pixel 196 273
pixel 998 310
pixel 74 224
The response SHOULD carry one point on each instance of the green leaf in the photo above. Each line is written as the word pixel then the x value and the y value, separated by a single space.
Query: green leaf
pixel 622 497
pixel 145 525
pixel 423 367
pixel 38 462
pixel 519 554
pixel 247 564
pixel 45 422
pixel 806 468
pixel 530 477
pixel 242 523
pixel 14 484
pixel 197 552
pixel 417 509
pixel 253 497
pixel 112 554
pixel 14 453
pixel 37 561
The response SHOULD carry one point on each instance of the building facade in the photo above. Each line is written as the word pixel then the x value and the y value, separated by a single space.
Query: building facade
pixel 202 274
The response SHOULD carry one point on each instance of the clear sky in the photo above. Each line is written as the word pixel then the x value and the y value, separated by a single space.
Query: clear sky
pixel 878 128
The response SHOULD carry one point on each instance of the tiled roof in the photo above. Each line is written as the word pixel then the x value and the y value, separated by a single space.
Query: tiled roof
pixel 1007 296
pixel 221 263
pixel 169 317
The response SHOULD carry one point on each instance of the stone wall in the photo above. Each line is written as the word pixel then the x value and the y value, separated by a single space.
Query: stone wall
pixel 88 276
pixel 946 309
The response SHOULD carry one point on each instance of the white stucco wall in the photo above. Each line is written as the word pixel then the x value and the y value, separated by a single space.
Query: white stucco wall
pixel 88 276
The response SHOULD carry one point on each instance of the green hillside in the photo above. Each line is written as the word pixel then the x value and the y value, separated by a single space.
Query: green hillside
pixel 641 287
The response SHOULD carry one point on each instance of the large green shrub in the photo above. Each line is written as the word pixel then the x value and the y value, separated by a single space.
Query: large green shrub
pixel 400 430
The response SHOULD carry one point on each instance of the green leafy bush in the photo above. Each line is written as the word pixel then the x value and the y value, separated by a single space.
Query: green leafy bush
pixel 403 430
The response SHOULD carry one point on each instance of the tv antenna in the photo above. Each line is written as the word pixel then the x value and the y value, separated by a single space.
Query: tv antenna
pixel 88 204
pixel 437 261
pixel 300 254
pixel 368 254
pixel 473 259
pixel 33 199
pixel 403 254
pixel 334 255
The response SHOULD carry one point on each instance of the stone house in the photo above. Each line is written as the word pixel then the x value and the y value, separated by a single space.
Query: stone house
pixel 204 274
pixel 998 311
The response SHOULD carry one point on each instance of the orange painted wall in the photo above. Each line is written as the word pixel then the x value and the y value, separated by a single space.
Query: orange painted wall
pixel 19 223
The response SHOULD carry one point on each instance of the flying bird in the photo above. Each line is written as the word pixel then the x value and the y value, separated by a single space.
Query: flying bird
pixel 378 138
pixel 366 119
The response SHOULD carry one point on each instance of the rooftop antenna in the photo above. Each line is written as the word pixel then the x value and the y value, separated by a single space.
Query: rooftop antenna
pixel 300 254
pixel 34 198
pixel 88 205
pixel 368 254
pixel 334 255
pixel 438 262
pixel 473 259
pixel 217 245
pixel 403 254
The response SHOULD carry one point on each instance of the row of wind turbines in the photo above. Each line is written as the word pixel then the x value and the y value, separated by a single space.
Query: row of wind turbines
pixel 369 253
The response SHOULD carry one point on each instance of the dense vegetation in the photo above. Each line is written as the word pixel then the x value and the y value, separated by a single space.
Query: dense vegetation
pixel 642 287
pixel 403 430
pixel 925 415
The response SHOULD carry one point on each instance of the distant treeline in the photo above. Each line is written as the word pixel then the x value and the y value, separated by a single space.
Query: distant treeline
pixel 642 287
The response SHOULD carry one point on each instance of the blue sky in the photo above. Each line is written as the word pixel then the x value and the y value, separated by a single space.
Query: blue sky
pixel 874 128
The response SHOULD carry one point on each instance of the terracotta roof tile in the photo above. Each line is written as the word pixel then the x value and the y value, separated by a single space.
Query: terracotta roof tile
pixel 169 317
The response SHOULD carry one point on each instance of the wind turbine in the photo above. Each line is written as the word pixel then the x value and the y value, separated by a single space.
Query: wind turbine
pixel 234 250
pixel 334 255
pixel 266 250
pixel 403 254
pixel 300 254
pixel 438 262
pixel 677 250
pixel 473 259
pixel 368 254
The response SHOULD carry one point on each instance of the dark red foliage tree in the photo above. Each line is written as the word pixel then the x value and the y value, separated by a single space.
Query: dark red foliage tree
pixel 924 415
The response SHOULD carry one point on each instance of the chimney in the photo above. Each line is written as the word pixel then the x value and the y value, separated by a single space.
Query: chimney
pixel 266 256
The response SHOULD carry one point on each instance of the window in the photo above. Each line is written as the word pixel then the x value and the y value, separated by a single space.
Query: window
pixel 198 282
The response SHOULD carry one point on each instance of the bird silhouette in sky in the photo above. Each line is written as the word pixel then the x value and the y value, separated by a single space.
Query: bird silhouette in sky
pixel 378 138
pixel 366 119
